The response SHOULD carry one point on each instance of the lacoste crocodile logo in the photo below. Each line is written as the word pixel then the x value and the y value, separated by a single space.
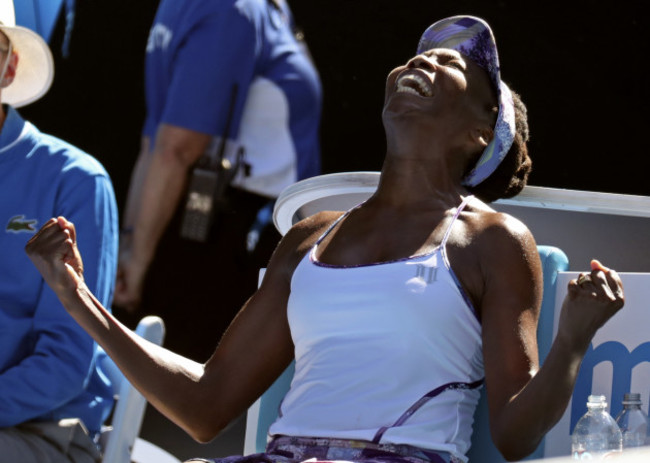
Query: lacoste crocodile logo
pixel 19 224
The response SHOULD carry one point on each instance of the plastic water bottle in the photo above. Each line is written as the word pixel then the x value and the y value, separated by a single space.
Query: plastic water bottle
pixel 596 435
pixel 633 422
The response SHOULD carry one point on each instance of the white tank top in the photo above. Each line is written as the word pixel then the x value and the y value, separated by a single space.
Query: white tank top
pixel 388 352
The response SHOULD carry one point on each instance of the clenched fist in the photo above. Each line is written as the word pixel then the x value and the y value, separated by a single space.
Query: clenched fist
pixel 53 250
pixel 592 299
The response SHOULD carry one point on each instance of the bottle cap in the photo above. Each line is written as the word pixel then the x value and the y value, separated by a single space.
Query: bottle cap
pixel 596 401
pixel 632 398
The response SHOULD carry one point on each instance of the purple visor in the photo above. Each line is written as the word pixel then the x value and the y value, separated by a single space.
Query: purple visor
pixel 473 37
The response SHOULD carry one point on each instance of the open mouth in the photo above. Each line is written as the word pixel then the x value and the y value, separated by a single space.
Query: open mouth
pixel 413 84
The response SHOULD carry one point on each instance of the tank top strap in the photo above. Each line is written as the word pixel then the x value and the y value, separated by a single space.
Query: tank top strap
pixel 331 227
pixel 453 220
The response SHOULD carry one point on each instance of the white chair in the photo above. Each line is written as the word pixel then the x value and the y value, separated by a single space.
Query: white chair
pixel 119 441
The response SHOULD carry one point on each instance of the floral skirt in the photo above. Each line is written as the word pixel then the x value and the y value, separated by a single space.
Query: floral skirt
pixel 284 449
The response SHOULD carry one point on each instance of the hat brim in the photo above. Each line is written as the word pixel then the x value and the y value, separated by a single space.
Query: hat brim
pixel 35 70
pixel 473 37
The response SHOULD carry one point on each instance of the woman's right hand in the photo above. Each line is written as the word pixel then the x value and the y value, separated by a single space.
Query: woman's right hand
pixel 53 250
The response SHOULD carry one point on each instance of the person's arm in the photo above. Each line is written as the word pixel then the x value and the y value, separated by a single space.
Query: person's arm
pixel 135 186
pixel 125 295
pixel 219 54
pixel 60 353
pixel 201 399
pixel 526 401
pixel 151 205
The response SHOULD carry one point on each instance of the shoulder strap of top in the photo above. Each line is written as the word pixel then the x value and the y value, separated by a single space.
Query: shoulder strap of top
pixel 329 229
pixel 453 220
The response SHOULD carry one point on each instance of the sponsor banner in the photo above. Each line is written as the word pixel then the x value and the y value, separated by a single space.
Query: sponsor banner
pixel 617 361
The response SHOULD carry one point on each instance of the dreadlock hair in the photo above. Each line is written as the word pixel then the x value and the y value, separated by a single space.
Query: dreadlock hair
pixel 512 174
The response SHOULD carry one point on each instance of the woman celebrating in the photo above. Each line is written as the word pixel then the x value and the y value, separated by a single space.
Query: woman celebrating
pixel 396 311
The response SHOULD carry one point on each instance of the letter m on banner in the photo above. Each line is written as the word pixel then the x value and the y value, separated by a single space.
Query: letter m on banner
pixel 623 362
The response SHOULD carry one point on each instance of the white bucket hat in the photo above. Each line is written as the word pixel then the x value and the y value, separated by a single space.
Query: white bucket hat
pixel 35 70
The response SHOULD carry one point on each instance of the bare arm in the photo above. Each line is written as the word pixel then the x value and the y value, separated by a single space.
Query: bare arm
pixel 526 401
pixel 125 295
pixel 135 187
pixel 151 204
pixel 201 399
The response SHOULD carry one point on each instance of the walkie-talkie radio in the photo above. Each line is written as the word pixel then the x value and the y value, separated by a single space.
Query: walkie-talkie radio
pixel 207 186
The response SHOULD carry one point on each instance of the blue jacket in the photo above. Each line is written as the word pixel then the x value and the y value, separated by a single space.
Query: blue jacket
pixel 47 361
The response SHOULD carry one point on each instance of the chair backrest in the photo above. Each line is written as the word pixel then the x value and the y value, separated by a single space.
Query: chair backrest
pixel 264 411
pixel 117 440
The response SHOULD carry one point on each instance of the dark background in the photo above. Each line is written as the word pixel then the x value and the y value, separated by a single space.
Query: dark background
pixel 579 67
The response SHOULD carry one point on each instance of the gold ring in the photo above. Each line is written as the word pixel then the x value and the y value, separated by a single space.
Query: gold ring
pixel 582 278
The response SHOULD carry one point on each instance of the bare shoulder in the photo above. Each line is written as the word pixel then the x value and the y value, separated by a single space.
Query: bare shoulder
pixel 300 238
pixel 493 250
pixel 304 234
pixel 498 231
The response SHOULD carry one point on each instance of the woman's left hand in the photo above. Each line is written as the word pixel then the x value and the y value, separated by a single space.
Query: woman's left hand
pixel 592 299
pixel 53 250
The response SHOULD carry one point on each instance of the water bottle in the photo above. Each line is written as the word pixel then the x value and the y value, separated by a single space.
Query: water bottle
pixel 596 435
pixel 633 422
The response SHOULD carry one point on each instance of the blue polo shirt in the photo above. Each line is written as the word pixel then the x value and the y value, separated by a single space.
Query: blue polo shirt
pixel 234 69
pixel 47 361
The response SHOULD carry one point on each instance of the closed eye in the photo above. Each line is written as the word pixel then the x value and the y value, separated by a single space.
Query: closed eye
pixel 447 57
pixel 457 64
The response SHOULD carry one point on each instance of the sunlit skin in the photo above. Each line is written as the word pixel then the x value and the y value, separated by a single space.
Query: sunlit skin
pixel 457 94
pixel 431 141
